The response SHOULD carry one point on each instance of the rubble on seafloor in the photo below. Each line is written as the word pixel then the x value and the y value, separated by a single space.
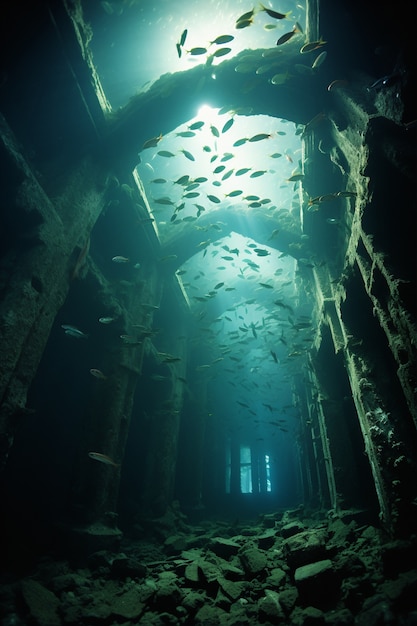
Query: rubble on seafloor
pixel 287 568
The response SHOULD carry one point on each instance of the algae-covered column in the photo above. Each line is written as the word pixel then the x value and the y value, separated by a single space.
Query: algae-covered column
pixel 107 419
pixel 40 242
pixel 171 354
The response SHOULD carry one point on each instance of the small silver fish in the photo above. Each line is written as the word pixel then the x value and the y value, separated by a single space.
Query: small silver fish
pixel 103 458
pixel 106 320
pixel 72 331
pixel 97 374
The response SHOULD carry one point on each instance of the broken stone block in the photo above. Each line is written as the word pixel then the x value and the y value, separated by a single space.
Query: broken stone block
pixel 210 616
pixel 128 605
pixel 292 528
pixel 42 603
pixel 253 560
pixel 288 598
pixel 167 596
pixel 269 607
pixel 317 583
pixel 209 570
pixel 191 572
pixel 267 539
pixel 174 544
pixel 310 616
pixel 193 600
pixel 305 547
pixel 223 547
pixel 232 589
pixel 276 576
pixel 230 571
pixel 123 566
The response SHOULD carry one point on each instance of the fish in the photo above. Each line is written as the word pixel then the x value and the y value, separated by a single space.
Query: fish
pixel 222 39
pixel 97 374
pixel 240 142
pixel 221 52
pixel 152 142
pixel 312 45
pixel 295 178
pixel 185 133
pixel 149 307
pixel 163 200
pixel 385 81
pixel 286 37
pixel 261 252
pixel 120 259
pixel 233 194
pixel 183 37
pixel 106 320
pixel 226 127
pixel 337 84
pixel 227 174
pixel 275 14
pixel 319 60
pixel 279 79
pixel 274 356
pixel 260 136
pixel 266 285
pixel 103 458
pixel 214 199
pixel 196 125
pixel 245 20
pixel 197 51
pixel 219 285
pixel 130 339
pixel 72 331
pixel 283 305
pixel 346 194
pixel 242 171
pixel 170 359
pixel 188 155
pixel 183 180
pixel 245 68
pixel 165 153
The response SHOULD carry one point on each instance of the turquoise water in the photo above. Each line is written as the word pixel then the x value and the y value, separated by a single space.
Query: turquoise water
pixel 134 43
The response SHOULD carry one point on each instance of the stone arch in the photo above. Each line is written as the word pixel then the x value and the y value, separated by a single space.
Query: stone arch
pixel 174 99
pixel 185 244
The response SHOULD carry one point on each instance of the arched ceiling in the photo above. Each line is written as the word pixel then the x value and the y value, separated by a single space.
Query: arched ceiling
pixel 184 245
pixel 174 99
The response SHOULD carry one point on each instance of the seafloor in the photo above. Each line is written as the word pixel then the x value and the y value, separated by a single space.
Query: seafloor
pixel 287 568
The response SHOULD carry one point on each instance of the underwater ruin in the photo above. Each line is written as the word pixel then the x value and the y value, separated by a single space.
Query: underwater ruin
pixel 208 314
